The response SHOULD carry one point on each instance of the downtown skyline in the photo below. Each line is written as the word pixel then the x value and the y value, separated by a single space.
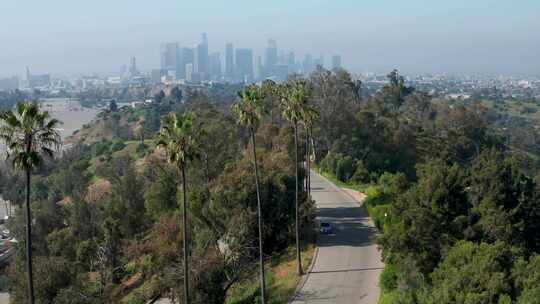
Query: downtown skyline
pixel 484 37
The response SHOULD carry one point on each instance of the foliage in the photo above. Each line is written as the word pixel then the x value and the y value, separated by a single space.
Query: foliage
pixel 472 273
pixel 457 209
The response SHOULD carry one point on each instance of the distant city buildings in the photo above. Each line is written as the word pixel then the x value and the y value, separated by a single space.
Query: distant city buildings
pixel 215 66
pixel 170 57
pixel 186 57
pixel 200 61
pixel 271 58
pixel 190 64
pixel 133 71
pixel 36 81
pixel 336 62
pixel 244 65
pixel 197 64
pixel 9 83
pixel 229 61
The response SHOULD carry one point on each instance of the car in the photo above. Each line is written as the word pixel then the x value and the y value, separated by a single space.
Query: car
pixel 326 228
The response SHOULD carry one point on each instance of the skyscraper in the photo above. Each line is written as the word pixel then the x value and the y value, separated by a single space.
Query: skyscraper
pixel 291 59
pixel 186 57
pixel 215 65
pixel 307 65
pixel 260 68
pixel 229 60
pixel 271 57
pixel 336 62
pixel 169 56
pixel 133 71
pixel 291 62
pixel 201 54
pixel 244 64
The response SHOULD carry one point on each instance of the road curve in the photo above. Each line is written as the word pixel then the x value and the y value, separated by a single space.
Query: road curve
pixel 347 264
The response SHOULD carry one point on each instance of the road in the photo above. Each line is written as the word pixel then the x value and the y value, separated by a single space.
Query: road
pixel 347 263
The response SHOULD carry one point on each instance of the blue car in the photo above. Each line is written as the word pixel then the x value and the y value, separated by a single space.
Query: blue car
pixel 326 228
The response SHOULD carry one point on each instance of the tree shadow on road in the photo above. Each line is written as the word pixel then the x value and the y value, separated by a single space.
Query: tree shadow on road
pixel 351 225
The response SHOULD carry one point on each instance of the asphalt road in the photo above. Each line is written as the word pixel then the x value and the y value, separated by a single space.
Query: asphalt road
pixel 347 263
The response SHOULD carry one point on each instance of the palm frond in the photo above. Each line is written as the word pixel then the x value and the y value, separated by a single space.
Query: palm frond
pixel 28 134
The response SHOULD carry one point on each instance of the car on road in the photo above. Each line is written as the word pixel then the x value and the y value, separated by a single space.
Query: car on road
pixel 326 228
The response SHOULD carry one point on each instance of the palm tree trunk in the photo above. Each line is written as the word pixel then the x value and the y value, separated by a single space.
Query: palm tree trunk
pixel 29 241
pixel 304 163
pixel 308 162
pixel 259 215
pixel 298 257
pixel 184 223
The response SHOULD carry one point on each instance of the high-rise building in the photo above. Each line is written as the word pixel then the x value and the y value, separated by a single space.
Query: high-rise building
pixel 170 56
pixel 200 63
pixel 319 62
pixel 260 68
pixel 34 81
pixel 191 75
pixel 336 62
pixel 133 71
pixel 291 59
pixel 244 64
pixel 157 74
pixel 186 57
pixel 229 60
pixel 271 58
pixel 215 65
pixel 307 65
pixel 291 62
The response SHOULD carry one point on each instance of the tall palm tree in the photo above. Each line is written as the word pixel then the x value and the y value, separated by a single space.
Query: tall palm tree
pixel 295 96
pixel 309 116
pixel 178 137
pixel 29 134
pixel 249 110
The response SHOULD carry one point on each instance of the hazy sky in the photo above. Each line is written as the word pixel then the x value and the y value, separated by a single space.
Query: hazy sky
pixel 455 36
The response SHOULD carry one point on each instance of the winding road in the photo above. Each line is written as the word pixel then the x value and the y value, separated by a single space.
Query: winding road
pixel 346 264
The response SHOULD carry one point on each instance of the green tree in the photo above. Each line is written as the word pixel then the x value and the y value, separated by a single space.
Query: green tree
pixel 161 195
pixel 249 110
pixel 526 276
pixel 29 134
pixel 428 217
pixel 472 273
pixel 504 201
pixel 177 136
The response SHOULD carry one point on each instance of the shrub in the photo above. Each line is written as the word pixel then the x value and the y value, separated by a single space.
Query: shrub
pixel 329 162
pixel 101 147
pixel 392 185
pixel 117 146
pixel 361 174
pixel 389 278
pixel 345 168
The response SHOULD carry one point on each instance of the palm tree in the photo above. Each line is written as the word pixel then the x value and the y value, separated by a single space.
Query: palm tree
pixel 177 136
pixel 309 116
pixel 29 134
pixel 295 96
pixel 249 110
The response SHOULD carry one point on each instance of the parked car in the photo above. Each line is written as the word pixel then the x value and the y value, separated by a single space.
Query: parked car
pixel 326 228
